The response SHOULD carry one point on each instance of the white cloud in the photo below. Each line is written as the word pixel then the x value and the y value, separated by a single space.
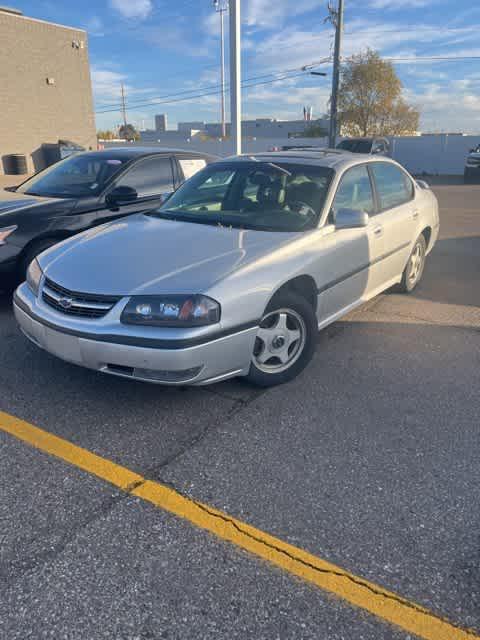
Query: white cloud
pixel 399 4
pixel 132 8
pixel 266 14
pixel 446 108
pixel 106 84
pixel 95 27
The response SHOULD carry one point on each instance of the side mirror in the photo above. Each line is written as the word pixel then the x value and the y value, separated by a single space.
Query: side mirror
pixel 350 219
pixel 121 195
pixel 12 189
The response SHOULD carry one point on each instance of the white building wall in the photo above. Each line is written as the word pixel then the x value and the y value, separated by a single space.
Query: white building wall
pixel 437 155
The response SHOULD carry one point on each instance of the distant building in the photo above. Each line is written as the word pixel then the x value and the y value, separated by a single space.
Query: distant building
pixel 267 128
pixel 188 126
pixel 161 123
pixel 46 93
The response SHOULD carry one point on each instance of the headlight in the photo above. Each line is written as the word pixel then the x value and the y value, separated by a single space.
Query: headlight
pixel 34 275
pixel 5 232
pixel 171 311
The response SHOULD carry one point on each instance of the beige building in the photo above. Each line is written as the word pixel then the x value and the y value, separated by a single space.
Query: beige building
pixel 45 89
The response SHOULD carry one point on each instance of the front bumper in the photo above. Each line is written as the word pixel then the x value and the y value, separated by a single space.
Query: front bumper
pixel 216 358
pixel 9 254
pixel 472 171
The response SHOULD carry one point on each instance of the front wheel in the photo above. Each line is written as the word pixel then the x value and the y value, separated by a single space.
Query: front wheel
pixel 285 341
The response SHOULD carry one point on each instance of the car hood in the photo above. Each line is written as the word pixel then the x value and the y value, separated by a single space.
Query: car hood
pixel 146 255
pixel 21 202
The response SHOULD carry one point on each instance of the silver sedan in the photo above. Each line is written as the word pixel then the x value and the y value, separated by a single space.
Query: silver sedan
pixel 236 272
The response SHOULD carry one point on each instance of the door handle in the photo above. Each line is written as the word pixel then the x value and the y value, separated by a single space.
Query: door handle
pixel 415 214
pixel 378 231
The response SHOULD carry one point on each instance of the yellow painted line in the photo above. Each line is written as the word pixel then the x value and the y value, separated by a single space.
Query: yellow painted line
pixel 364 594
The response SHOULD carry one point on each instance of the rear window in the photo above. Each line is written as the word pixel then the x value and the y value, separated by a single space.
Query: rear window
pixel 356 146
pixel 394 187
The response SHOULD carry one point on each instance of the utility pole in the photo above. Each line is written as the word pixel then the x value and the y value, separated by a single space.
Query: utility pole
pixel 124 108
pixel 235 77
pixel 336 17
pixel 221 6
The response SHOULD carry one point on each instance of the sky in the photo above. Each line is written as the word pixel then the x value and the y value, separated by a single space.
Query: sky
pixel 157 48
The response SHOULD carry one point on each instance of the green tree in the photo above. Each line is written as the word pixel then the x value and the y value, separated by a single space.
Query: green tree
pixel 128 132
pixel 105 135
pixel 370 99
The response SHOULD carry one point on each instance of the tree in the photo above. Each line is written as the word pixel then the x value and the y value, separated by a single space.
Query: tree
pixel 128 132
pixel 370 99
pixel 105 135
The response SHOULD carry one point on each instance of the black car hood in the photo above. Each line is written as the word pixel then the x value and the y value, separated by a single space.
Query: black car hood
pixel 20 203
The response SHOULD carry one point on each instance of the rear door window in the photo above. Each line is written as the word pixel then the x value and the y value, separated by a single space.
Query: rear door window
pixel 190 166
pixel 394 187
pixel 151 176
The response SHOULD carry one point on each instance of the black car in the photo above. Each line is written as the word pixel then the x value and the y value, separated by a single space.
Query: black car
pixel 380 146
pixel 83 191
pixel 471 172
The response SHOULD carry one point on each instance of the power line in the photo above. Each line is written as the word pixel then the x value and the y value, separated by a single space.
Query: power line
pixel 210 93
pixel 141 102
pixel 150 101
pixel 442 58
pixel 415 30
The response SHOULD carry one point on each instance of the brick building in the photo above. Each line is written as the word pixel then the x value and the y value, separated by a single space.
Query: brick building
pixel 46 92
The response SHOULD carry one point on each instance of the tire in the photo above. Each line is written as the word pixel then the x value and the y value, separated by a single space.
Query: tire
pixel 409 280
pixel 287 315
pixel 32 252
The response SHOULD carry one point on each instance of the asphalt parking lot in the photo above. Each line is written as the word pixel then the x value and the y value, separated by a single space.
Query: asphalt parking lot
pixel 369 460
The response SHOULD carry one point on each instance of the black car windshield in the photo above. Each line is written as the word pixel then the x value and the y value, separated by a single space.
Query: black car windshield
pixel 356 146
pixel 76 176
pixel 252 195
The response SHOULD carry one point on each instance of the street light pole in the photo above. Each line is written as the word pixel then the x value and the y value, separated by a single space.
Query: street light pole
pixel 124 108
pixel 221 6
pixel 235 77
pixel 337 19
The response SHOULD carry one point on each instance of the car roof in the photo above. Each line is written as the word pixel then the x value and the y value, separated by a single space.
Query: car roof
pixel 366 138
pixel 137 152
pixel 332 158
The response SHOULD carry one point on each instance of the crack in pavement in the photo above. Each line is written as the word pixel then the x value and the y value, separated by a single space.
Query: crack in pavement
pixel 154 472
pixel 340 574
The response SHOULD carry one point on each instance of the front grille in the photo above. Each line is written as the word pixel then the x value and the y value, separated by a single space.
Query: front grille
pixel 72 303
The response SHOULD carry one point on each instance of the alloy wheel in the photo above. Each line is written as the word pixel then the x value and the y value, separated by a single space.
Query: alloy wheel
pixel 280 341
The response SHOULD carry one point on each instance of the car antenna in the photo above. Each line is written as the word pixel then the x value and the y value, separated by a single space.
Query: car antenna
pixel 271 164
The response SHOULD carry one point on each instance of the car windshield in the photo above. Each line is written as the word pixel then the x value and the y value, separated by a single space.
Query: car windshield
pixel 356 146
pixel 75 177
pixel 252 195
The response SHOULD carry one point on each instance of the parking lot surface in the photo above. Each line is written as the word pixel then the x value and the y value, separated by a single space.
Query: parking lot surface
pixel 368 460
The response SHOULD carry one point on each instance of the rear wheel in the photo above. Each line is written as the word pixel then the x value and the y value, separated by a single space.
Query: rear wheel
pixel 285 341
pixel 413 272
